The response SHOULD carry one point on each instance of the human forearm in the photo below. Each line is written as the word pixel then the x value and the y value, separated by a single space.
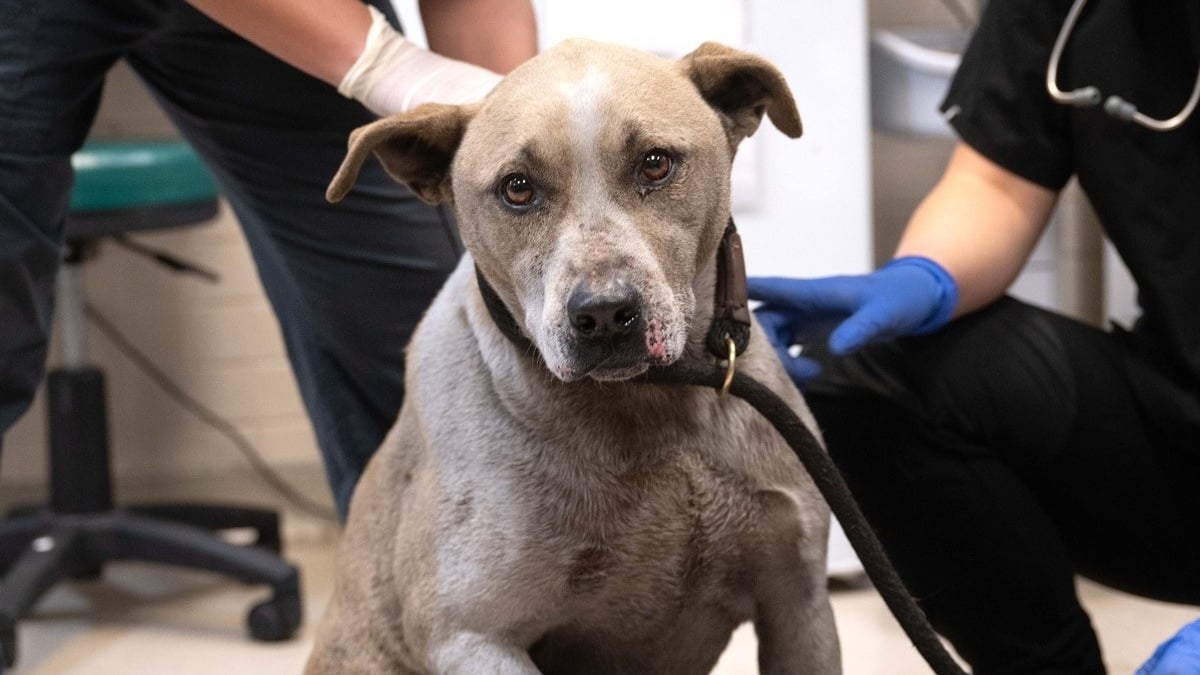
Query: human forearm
pixel 495 34
pixel 980 223
pixel 324 37
pixel 351 46
pixel 320 37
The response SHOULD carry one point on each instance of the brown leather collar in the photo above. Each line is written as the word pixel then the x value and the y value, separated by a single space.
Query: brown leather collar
pixel 731 305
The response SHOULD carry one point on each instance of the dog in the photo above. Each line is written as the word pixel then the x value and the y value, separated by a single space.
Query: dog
pixel 536 508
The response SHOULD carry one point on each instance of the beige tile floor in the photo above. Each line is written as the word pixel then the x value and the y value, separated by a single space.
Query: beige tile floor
pixel 147 620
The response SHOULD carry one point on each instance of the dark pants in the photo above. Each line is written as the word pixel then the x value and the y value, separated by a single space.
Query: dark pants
pixel 348 282
pixel 1004 454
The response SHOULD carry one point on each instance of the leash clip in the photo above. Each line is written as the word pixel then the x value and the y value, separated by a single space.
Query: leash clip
pixel 732 365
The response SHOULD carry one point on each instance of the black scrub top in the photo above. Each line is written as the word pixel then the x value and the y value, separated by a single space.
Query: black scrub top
pixel 1144 185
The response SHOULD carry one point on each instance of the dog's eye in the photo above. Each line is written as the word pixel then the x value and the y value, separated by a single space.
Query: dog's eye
pixel 517 190
pixel 656 166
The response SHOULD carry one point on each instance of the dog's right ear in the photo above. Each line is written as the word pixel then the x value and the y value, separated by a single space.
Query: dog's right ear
pixel 416 148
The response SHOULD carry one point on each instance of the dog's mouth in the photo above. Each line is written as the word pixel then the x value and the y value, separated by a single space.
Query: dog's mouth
pixel 614 367
pixel 614 358
pixel 608 328
pixel 571 351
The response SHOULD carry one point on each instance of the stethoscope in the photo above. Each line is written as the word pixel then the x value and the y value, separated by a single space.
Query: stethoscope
pixel 1090 96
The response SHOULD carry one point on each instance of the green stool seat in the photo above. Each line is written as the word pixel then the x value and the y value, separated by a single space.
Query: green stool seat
pixel 121 186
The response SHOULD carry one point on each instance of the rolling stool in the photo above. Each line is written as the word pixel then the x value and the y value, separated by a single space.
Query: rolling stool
pixel 122 187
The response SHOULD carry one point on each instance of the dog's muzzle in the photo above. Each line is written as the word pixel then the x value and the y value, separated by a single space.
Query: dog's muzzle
pixel 613 331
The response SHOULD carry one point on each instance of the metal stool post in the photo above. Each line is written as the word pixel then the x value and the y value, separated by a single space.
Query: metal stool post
pixel 77 419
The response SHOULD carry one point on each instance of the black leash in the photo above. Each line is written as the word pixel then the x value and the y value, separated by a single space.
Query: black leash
pixel 731 331
pixel 833 488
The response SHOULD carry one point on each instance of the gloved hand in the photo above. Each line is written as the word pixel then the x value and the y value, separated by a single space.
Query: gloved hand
pixel 393 75
pixel 908 296
pixel 1178 656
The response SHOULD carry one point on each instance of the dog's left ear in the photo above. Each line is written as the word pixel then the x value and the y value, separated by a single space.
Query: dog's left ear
pixel 741 86
pixel 416 148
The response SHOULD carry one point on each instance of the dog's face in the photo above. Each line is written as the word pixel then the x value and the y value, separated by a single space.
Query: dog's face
pixel 590 186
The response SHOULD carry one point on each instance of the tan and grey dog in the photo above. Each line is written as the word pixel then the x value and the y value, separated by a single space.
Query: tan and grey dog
pixel 532 510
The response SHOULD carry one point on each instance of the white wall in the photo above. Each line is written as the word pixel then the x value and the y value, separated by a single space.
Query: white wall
pixel 813 216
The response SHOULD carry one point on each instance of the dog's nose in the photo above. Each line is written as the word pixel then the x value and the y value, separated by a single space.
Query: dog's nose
pixel 604 312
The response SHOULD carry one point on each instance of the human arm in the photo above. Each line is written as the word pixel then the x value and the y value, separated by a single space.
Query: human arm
pixel 963 246
pixel 980 223
pixel 329 38
pixel 320 37
pixel 496 34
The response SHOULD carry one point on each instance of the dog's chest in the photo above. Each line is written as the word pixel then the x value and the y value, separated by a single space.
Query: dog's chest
pixel 654 567
pixel 637 548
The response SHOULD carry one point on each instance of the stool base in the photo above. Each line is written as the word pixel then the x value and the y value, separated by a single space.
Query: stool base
pixel 80 530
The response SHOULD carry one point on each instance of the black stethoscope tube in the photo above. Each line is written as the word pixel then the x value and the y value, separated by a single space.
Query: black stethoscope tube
pixel 1090 95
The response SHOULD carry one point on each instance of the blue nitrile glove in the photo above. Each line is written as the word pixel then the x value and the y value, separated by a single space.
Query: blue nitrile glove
pixel 1178 656
pixel 908 296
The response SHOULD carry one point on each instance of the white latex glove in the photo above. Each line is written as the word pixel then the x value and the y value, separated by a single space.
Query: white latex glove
pixel 393 75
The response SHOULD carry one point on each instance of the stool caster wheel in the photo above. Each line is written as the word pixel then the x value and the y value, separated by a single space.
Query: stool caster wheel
pixel 275 619
pixel 8 643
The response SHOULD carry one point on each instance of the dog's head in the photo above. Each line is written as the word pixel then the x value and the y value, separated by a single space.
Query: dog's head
pixel 591 187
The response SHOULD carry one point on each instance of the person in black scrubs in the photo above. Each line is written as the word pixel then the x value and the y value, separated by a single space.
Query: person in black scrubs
pixel 267 91
pixel 1000 449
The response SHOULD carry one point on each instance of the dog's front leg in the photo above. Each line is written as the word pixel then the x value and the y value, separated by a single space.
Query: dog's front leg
pixel 793 618
pixel 796 634
pixel 466 653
